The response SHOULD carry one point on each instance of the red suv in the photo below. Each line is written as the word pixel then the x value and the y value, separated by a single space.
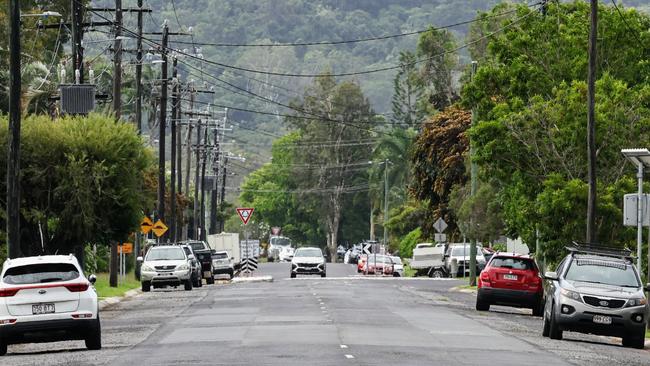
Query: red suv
pixel 511 280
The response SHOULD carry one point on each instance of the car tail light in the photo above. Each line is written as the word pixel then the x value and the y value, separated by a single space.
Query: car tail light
pixel 8 292
pixel 7 321
pixel 77 287
pixel 82 316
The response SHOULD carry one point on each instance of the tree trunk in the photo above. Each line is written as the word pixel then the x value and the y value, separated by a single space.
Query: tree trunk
pixel 113 265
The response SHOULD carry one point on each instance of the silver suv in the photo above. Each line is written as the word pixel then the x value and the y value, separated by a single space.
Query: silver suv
pixel 596 290
pixel 166 265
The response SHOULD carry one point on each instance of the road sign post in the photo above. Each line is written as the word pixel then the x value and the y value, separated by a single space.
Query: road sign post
pixel 245 214
pixel 159 229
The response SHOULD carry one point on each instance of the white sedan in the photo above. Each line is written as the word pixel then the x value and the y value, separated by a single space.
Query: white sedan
pixel 47 299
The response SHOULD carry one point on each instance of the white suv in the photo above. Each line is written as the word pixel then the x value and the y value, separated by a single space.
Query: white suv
pixel 47 299
pixel 165 265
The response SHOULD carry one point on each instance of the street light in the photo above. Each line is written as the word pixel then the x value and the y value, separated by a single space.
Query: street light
pixel 640 158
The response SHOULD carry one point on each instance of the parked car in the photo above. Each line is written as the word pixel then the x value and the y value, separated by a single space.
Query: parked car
pixel 308 260
pixel 511 280
pixel 352 255
pixel 378 264
pixel 47 299
pixel 203 254
pixel 340 252
pixel 461 254
pixel 222 263
pixel 598 291
pixel 197 279
pixel 165 265
pixel 398 266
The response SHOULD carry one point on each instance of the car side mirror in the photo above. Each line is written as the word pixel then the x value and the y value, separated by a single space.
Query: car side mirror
pixel 92 279
pixel 140 259
pixel 647 287
pixel 551 276
pixel 191 257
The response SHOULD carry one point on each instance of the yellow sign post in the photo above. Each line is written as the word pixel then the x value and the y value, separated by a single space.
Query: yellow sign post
pixel 159 228
pixel 146 225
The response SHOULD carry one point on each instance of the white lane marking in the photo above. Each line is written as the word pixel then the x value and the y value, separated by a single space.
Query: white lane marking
pixel 349 356
pixel 323 308
pixel 343 346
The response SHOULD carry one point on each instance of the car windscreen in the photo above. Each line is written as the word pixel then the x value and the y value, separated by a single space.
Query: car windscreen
pixel 396 260
pixel 165 254
pixel 380 259
pixel 197 246
pixel 220 256
pixel 280 241
pixel 187 250
pixel 40 273
pixel 513 263
pixel 602 272
pixel 308 253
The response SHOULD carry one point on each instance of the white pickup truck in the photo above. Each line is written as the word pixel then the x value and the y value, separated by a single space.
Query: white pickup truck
pixel 429 258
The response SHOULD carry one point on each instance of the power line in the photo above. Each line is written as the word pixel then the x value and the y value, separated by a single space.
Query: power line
pixel 355 73
pixel 359 40
pixel 627 25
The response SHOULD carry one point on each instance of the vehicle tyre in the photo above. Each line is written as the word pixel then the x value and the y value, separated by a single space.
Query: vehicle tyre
pixel 293 275
pixel 637 341
pixel 188 285
pixel 554 331
pixel 3 348
pixel 200 281
pixel 231 274
pixel 538 310
pixel 195 281
pixel 482 305
pixel 323 274
pixel 210 280
pixel 436 274
pixel 146 286
pixel 395 274
pixel 93 339
pixel 546 329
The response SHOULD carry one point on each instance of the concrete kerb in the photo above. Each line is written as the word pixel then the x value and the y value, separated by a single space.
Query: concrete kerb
pixel 110 301
pixel 252 279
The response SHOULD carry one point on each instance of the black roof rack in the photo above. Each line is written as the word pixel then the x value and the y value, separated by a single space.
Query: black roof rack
pixel 599 249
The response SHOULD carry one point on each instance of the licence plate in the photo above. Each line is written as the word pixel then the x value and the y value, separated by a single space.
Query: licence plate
pixel 510 277
pixel 602 319
pixel 207 274
pixel 43 309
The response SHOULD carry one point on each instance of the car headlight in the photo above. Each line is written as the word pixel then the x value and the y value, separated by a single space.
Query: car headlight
pixel 183 267
pixel 146 268
pixel 571 295
pixel 636 302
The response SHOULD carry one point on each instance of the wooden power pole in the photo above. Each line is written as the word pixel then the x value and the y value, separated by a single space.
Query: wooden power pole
pixel 162 126
pixel 591 125
pixel 13 149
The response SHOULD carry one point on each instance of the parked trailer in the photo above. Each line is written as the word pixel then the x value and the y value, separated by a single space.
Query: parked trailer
pixel 228 242
pixel 429 259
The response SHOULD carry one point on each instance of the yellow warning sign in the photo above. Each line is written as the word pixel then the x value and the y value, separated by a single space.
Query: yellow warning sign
pixel 146 225
pixel 159 228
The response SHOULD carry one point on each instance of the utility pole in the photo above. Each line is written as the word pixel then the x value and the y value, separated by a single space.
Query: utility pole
pixel 203 165
pixel 162 129
pixel 77 9
pixel 117 62
pixel 197 176
pixel 591 124
pixel 13 148
pixel 172 191
pixel 223 188
pixel 473 189
pixel 138 72
pixel 189 140
pixel 179 146
pixel 214 194
pixel 385 203
pixel 117 109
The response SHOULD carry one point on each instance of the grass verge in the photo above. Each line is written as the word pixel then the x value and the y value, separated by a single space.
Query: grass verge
pixel 408 271
pixel 104 290
pixel 647 334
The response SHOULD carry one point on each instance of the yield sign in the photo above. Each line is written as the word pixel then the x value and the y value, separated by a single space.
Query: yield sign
pixel 159 228
pixel 146 225
pixel 245 214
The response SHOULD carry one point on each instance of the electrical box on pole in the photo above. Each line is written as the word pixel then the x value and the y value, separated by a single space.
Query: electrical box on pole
pixel 630 209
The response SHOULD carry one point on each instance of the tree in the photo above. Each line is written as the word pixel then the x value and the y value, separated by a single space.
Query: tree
pixel 337 113
pixel 434 48
pixel 438 161
pixel 82 180
pixel 408 90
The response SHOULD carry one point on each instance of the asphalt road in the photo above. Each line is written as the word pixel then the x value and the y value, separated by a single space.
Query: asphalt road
pixel 344 319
